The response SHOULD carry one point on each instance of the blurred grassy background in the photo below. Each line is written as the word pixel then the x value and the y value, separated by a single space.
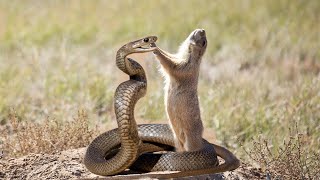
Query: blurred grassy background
pixel 260 74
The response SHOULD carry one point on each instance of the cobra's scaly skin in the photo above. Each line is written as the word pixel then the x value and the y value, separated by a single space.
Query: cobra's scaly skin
pixel 126 96
pixel 104 157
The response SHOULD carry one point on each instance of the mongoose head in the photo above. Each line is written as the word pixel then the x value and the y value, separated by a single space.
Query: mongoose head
pixel 195 45
pixel 198 41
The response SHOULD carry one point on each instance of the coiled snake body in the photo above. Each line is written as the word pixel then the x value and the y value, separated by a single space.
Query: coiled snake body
pixel 126 147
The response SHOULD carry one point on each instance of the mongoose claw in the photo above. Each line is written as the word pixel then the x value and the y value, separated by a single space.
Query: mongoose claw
pixel 156 50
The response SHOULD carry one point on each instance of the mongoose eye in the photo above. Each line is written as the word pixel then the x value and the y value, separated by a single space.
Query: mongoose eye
pixel 204 43
pixel 146 40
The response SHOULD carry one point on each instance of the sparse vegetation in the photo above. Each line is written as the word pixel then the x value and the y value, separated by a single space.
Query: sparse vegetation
pixel 49 136
pixel 291 160
pixel 260 76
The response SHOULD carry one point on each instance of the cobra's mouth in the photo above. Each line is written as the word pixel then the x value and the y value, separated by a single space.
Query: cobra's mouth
pixel 143 47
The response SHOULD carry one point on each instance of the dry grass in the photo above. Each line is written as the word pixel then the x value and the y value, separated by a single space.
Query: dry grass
pixel 291 160
pixel 23 137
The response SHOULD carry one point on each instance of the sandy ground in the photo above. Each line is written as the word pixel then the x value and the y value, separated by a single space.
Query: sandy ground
pixel 68 165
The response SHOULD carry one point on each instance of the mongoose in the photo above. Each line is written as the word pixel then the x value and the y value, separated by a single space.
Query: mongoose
pixel 181 71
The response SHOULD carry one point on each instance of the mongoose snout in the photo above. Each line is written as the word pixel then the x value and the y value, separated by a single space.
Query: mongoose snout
pixel 200 32
pixel 199 37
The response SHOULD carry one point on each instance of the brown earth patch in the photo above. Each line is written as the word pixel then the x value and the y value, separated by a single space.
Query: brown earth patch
pixel 68 165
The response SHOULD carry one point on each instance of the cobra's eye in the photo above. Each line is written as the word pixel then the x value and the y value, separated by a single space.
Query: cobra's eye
pixel 146 40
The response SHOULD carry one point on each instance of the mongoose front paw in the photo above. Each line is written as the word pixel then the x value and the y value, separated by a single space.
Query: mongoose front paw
pixel 156 51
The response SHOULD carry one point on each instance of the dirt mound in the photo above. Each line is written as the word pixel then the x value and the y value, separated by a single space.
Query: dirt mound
pixel 68 165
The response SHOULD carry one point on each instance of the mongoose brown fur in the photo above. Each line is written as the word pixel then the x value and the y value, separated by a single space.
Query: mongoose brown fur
pixel 181 73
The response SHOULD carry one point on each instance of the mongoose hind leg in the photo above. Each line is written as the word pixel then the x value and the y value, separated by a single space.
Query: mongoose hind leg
pixel 179 139
pixel 179 145
pixel 193 143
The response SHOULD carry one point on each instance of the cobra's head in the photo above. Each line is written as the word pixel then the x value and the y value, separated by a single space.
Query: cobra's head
pixel 143 45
